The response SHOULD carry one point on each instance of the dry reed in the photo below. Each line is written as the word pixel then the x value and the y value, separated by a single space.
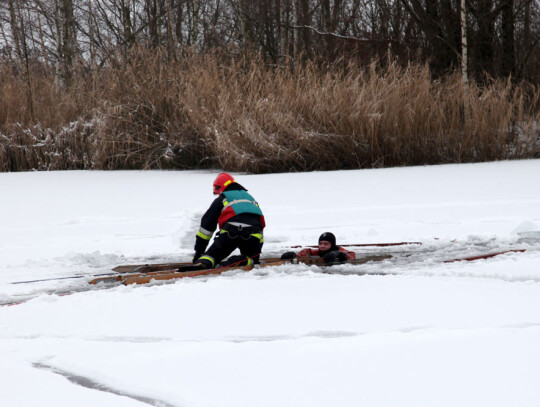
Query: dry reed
pixel 240 115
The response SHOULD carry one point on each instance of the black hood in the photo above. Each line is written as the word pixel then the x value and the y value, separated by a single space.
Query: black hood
pixel 328 237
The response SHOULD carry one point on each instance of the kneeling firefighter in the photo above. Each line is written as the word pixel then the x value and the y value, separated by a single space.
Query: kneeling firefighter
pixel 241 224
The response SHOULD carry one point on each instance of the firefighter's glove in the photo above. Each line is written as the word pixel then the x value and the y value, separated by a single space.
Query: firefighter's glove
pixel 288 255
pixel 335 257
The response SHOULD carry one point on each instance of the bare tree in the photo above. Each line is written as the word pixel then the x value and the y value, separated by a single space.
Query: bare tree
pixel 493 37
pixel 16 31
pixel 66 41
pixel 464 47
pixel 507 34
pixel 283 11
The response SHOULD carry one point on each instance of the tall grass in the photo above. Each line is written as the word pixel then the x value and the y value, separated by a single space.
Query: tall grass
pixel 240 115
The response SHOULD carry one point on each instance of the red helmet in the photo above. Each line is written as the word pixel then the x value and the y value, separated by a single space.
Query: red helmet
pixel 221 182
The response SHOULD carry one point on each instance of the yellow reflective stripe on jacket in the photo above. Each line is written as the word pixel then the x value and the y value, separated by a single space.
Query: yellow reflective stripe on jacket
pixel 226 203
pixel 203 236
pixel 206 231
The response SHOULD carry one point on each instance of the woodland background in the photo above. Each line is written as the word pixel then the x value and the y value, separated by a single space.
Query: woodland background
pixel 267 85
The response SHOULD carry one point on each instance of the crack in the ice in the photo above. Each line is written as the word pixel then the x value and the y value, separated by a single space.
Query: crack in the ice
pixel 275 338
pixel 94 385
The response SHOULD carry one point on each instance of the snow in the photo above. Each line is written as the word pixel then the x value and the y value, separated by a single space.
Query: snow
pixel 426 333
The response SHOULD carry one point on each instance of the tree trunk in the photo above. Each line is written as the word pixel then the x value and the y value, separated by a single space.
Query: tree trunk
pixel 43 47
pixel 283 37
pixel 464 47
pixel 172 41
pixel 179 21
pixel 17 24
pixel 246 28
pixel 127 27
pixel 483 45
pixel 193 11
pixel 508 63
pixel 152 15
pixel 91 35
pixel 303 20
pixel 66 42
pixel 15 31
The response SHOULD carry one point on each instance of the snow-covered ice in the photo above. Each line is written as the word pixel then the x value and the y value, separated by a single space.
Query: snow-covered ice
pixel 426 334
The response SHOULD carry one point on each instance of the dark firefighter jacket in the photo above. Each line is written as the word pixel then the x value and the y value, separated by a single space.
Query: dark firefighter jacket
pixel 234 204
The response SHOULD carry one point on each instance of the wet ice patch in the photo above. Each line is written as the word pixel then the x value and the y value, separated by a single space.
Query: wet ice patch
pixel 526 226
pixel 528 232
pixel 94 259
pixel 529 237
